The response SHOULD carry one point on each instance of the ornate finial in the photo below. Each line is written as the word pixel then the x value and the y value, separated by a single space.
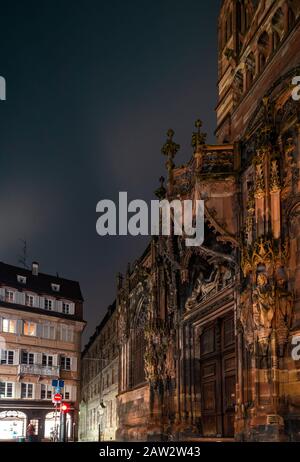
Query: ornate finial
pixel 198 138
pixel 161 191
pixel 170 149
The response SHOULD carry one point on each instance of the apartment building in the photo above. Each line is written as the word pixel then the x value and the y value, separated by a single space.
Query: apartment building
pixel 41 322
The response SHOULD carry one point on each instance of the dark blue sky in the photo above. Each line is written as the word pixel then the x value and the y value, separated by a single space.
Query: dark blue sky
pixel 92 87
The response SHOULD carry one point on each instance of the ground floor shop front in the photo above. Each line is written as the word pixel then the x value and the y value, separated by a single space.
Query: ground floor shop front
pixel 15 418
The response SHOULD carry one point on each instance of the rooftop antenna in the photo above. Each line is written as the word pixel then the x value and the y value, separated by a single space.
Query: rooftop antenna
pixel 22 259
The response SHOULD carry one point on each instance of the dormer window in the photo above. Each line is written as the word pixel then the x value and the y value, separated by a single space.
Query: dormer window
pixel 9 296
pixel 55 287
pixel 29 300
pixel 48 304
pixel 21 279
pixel 66 308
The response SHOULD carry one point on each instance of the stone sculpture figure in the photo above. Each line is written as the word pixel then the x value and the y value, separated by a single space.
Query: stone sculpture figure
pixel 263 305
pixel 202 288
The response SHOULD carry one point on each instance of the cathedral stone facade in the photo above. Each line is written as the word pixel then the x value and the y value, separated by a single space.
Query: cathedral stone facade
pixel 206 333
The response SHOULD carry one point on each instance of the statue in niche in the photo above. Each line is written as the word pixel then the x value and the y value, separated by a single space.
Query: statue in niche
pixel 263 304
pixel 203 287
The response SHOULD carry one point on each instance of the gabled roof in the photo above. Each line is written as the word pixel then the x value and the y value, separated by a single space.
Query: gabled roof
pixel 40 283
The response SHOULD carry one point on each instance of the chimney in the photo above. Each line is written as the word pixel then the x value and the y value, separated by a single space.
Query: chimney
pixel 35 268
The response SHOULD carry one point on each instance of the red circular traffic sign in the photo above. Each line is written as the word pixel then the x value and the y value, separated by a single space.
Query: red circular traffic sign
pixel 57 398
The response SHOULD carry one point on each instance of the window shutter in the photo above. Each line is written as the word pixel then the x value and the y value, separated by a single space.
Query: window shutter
pixel 18 297
pixel 2 293
pixel 20 324
pixel 55 357
pixel 42 302
pixel 36 301
pixel 17 390
pixel 0 324
pixel 74 363
pixel 72 393
pixel 39 330
pixel 58 306
pixel 37 387
pixel 38 358
pixel 22 298
pixel 16 357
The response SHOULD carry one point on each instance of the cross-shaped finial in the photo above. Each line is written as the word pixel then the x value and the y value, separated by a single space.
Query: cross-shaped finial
pixel 198 138
pixel 170 148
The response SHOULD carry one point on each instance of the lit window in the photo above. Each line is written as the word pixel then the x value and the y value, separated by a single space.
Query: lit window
pixel 30 328
pixel 9 325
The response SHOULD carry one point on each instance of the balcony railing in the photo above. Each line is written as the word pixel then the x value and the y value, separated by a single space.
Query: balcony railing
pixel 37 369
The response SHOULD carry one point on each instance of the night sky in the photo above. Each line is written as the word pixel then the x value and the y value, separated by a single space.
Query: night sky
pixel 92 87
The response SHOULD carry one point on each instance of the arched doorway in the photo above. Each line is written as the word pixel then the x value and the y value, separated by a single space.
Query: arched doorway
pixel 52 420
pixel 12 425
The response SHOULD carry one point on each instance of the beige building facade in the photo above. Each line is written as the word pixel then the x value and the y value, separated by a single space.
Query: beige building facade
pixel 40 341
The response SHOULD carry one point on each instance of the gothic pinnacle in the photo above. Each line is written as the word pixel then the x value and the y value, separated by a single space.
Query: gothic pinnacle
pixel 198 138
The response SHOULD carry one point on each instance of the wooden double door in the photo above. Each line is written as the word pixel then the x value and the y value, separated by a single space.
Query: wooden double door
pixel 218 378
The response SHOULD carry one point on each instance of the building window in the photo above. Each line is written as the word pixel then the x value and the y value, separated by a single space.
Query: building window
pixel 26 390
pixel 47 360
pixel 66 308
pixel 55 287
pixel 9 326
pixel 46 391
pixel 7 357
pixel 9 296
pixel 21 279
pixel 48 304
pixel 66 394
pixel 65 363
pixel 66 334
pixel 29 328
pixel 29 300
pixel 48 331
pixel 27 358
pixel 6 390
